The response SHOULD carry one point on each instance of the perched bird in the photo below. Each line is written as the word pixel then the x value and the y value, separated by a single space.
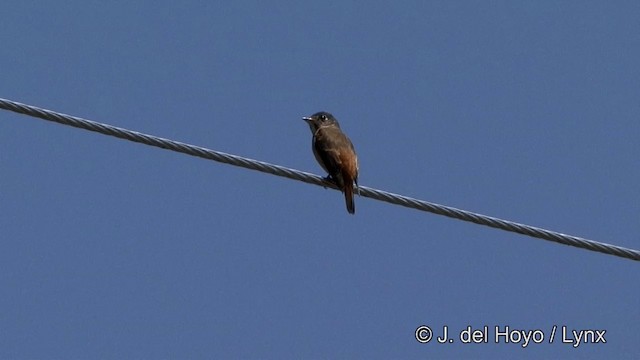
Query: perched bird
pixel 335 153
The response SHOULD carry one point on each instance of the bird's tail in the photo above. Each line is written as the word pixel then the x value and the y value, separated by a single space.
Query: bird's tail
pixel 348 197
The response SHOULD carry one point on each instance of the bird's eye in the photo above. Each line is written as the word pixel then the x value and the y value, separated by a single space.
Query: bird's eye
pixel 323 117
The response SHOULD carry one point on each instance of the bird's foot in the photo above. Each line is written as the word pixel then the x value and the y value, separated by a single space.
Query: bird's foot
pixel 329 179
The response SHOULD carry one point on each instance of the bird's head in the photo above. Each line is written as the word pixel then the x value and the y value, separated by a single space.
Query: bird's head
pixel 319 120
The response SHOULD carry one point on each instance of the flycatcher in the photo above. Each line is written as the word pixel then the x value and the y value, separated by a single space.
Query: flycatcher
pixel 335 153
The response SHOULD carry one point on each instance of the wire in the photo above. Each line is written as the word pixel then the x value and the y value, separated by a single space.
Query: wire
pixel 317 180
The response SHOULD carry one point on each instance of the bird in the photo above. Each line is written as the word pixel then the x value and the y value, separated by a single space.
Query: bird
pixel 335 153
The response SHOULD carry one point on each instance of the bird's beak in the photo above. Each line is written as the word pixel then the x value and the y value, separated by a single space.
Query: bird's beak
pixel 307 119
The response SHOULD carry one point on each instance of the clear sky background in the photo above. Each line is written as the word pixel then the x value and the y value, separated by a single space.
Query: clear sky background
pixel 527 111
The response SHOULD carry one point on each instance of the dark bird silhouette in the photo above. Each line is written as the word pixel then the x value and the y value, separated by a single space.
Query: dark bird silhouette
pixel 335 153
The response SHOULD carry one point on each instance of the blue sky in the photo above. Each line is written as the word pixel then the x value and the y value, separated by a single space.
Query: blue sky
pixel 526 111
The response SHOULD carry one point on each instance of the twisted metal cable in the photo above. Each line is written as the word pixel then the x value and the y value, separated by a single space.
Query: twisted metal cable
pixel 317 180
